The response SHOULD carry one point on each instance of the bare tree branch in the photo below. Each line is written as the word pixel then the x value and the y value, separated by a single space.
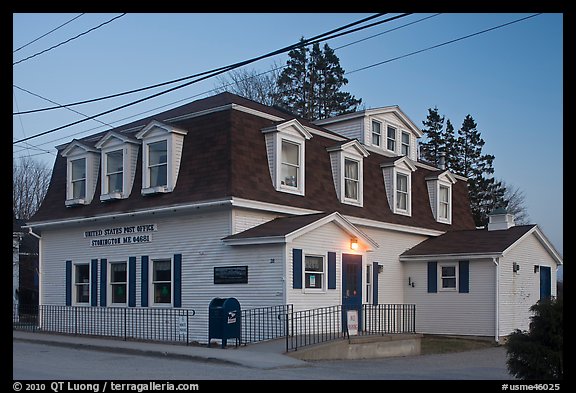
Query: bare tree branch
pixel 30 180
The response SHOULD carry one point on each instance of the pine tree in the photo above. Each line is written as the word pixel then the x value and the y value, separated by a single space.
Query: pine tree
pixel 485 193
pixel 450 146
pixel 430 150
pixel 310 84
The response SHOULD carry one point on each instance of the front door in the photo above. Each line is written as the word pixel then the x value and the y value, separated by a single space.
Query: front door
pixel 352 286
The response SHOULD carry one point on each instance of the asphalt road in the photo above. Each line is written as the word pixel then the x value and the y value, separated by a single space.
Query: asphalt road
pixel 32 361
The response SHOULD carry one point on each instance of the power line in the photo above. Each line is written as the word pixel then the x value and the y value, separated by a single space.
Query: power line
pixel 44 35
pixel 70 39
pixel 54 102
pixel 442 44
pixel 321 37
pixel 310 41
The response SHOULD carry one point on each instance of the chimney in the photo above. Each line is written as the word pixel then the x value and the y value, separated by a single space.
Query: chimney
pixel 500 219
pixel 442 161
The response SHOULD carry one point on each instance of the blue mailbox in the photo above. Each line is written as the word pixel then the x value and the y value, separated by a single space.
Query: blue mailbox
pixel 224 320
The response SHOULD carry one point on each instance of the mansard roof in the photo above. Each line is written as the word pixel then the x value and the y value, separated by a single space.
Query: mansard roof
pixel 224 156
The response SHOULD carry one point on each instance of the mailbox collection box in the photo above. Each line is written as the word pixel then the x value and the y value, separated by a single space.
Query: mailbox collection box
pixel 224 320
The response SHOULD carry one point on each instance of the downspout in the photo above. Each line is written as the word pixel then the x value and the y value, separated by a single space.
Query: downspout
pixel 497 302
pixel 31 232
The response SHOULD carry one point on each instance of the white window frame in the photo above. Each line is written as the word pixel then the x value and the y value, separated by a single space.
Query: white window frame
pixel 84 179
pixel 76 285
pixel 402 192
pixel 369 284
pixel 110 284
pixel 357 181
pixel 440 277
pixel 324 274
pixel 377 134
pixel 299 189
pixel 448 218
pixel 151 282
pixel 148 166
pixel 388 138
pixel 404 145
pixel 106 193
pixel 408 174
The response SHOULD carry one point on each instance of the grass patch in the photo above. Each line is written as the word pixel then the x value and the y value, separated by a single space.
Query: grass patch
pixel 431 345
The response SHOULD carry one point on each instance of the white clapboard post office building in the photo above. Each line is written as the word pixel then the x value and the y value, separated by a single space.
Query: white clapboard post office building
pixel 225 197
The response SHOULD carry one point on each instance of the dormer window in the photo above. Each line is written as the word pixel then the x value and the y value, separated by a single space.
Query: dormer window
pixel 405 144
pixel 119 155
pixel 161 156
pixel 347 171
pixel 440 195
pixel 285 145
pixel 397 175
pixel 157 169
pixel 78 178
pixel 391 138
pixel 81 172
pixel 376 133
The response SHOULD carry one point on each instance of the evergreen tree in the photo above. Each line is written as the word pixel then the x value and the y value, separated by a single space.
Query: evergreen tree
pixel 537 354
pixel 450 146
pixel 485 193
pixel 434 124
pixel 310 84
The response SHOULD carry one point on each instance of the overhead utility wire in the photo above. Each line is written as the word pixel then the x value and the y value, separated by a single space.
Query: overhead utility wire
pixel 442 44
pixel 68 40
pixel 44 35
pixel 300 44
pixel 293 46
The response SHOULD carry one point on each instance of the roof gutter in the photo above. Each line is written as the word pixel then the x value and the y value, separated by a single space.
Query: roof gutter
pixel 497 302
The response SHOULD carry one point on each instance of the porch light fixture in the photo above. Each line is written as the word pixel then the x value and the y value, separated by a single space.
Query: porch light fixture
pixel 354 244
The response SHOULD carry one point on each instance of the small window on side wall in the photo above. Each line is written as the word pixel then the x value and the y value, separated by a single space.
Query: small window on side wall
pixel 314 272
pixel 448 277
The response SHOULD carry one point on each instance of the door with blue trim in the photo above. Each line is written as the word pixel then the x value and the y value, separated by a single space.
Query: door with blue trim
pixel 545 282
pixel 351 286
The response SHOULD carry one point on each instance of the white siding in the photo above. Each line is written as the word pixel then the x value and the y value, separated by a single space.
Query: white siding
pixel 245 219
pixel 177 143
pixel 388 174
pixel 392 244
pixel 270 145
pixel 197 238
pixel 335 166
pixel 130 172
pixel 454 313
pixel 349 129
pixel 432 186
pixel 520 290
pixel 328 238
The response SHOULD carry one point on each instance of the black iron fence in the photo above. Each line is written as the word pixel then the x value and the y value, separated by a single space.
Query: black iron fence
pixel 147 324
pixel 264 323
pixel 324 324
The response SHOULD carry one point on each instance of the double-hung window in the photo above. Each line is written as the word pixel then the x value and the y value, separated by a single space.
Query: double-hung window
pixel 82 284
pixel 115 171
pixel 391 138
pixel 444 203
pixel 401 192
pixel 448 277
pixel 78 178
pixel 314 272
pixel 369 291
pixel 118 281
pixel 162 281
pixel 290 164
pixel 158 163
pixel 351 179
pixel 405 144
pixel 376 133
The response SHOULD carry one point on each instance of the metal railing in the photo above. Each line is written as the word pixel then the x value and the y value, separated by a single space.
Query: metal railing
pixel 324 324
pixel 146 324
pixel 264 323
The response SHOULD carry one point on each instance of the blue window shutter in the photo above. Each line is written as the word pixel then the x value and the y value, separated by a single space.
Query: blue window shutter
pixel 296 268
pixel 331 270
pixel 132 282
pixel 94 283
pixel 375 268
pixel 68 283
pixel 144 282
pixel 177 280
pixel 432 277
pixel 463 276
pixel 103 281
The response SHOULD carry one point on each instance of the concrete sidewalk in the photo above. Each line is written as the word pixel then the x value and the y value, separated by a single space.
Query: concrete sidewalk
pixel 266 355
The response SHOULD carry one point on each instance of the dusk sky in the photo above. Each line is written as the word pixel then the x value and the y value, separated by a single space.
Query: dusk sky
pixel 510 79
